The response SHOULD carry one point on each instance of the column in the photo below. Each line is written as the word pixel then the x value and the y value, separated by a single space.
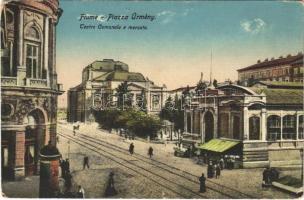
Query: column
pixel 246 123
pixel 202 127
pixel 191 116
pixel 46 49
pixel 264 125
pixel 185 121
pixel 297 126
pixel 20 39
pixel 19 155
pixel 281 118
pixel 21 69
pixel 215 124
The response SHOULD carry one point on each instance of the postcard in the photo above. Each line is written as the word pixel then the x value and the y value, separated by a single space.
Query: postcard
pixel 152 99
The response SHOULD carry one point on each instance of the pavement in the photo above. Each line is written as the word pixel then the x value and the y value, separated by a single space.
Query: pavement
pixel 132 185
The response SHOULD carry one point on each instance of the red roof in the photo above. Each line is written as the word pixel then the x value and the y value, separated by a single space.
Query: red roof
pixel 271 63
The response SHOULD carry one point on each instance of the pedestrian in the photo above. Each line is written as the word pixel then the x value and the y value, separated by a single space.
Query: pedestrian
pixel 80 192
pixel 67 165
pixel 214 170
pixel 86 162
pixel 221 162
pixel 202 181
pixel 68 181
pixel 209 170
pixel 62 166
pixel 217 171
pixel 150 152
pixel 266 177
pixel 131 148
pixel 110 189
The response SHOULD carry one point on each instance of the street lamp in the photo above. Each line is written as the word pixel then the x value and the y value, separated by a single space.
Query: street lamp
pixel 68 149
pixel 302 159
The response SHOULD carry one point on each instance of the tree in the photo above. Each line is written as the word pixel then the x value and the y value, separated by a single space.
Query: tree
pixel 123 96
pixel 167 111
pixel 200 87
pixel 173 112
pixel 215 83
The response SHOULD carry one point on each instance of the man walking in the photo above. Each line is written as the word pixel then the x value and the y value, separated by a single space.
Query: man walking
pixel 131 148
pixel 67 166
pixel 86 162
pixel 150 152
pixel 217 171
pixel 202 181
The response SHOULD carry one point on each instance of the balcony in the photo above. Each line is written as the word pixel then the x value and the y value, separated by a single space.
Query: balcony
pixel 38 83
pixel 8 81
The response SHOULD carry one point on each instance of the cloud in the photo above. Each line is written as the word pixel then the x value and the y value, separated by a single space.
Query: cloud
pixel 186 12
pixel 254 26
pixel 166 16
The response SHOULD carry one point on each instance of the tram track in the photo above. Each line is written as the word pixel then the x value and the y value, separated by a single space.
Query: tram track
pixel 161 180
pixel 171 170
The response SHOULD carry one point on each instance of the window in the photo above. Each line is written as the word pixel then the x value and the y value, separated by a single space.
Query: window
pixel 289 125
pixel 155 102
pixel 7 68
pixel 254 128
pixel 33 54
pixel 33 69
pixel 301 127
pixel 273 127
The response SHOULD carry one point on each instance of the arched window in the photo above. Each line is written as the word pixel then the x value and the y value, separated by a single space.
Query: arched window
pixel 254 128
pixel 33 52
pixel 289 127
pixel 224 125
pixel 273 127
pixel 301 127
pixel 236 127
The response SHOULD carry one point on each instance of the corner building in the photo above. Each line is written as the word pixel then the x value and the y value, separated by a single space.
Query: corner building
pixel 28 83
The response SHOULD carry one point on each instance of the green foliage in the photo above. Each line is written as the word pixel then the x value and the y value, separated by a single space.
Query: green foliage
pixel 215 83
pixel 123 95
pixel 200 86
pixel 173 112
pixel 138 122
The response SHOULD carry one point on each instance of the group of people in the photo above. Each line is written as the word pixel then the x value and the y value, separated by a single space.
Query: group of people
pixel 214 169
pixel 269 175
pixel 65 173
pixel 131 150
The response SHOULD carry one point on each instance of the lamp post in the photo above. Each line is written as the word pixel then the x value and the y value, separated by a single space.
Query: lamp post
pixel 68 149
pixel 302 164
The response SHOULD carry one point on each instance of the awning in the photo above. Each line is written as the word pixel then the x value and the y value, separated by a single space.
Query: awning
pixel 218 145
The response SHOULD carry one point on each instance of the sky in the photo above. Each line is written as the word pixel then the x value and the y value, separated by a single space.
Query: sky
pixel 176 46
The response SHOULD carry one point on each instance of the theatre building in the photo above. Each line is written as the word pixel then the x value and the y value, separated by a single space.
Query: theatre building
pixel 28 83
pixel 98 90
pixel 264 122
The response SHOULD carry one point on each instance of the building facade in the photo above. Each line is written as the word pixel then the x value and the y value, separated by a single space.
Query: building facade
pixel 287 69
pixel 28 83
pixel 267 120
pixel 100 80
